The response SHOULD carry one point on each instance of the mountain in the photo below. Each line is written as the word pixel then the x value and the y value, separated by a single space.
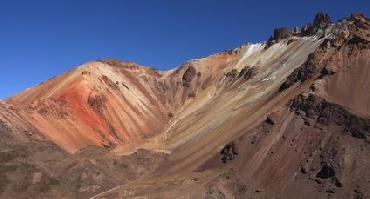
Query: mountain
pixel 285 118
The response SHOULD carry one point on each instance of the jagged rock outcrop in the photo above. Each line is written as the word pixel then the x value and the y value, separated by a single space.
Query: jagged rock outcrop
pixel 320 23
pixel 281 33
pixel 324 112
pixel 318 27
pixel 301 74
pixel 322 20
pixel 188 76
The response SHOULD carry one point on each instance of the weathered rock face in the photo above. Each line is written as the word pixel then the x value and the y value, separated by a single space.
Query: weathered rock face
pixel 301 74
pixel 320 110
pixel 286 118
pixel 317 27
pixel 281 33
pixel 236 78
pixel 319 24
pixel 188 76
pixel 228 153
pixel 322 20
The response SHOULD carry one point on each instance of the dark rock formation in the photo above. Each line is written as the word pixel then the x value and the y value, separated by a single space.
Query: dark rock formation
pixel 324 112
pixel 245 74
pixel 271 120
pixel 228 152
pixel 232 74
pixel 322 20
pixel 124 85
pixel 189 74
pixel 110 83
pixel 281 33
pixel 96 102
pixel 359 42
pixel 301 74
pixel 326 172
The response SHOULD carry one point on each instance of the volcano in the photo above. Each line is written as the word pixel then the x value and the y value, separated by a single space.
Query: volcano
pixel 285 118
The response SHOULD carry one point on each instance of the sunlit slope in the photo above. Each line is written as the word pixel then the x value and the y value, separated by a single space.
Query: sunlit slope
pixel 95 104
pixel 237 108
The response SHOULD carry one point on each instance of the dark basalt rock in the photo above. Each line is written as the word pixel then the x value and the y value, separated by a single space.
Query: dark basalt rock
pixel 124 85
pixel 232 74
pixel 326 72
pixel 360 42
pixel 272 118
pixel 323 112
pixel 228 152
pixel 326 172
pixel 269 120
pixel 322 20
pixel 245 74
pixel 189 74
pixel 301 74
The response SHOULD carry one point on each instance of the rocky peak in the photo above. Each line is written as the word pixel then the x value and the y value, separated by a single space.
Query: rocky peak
pixel 322 20
pixel 319 24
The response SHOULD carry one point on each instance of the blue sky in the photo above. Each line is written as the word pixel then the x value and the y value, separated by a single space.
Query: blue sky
pixel 43 38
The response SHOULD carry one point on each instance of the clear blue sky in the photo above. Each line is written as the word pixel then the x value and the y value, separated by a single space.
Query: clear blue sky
pixel 41 39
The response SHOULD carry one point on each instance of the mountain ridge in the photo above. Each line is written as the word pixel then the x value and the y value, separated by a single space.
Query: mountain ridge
pixel 262 120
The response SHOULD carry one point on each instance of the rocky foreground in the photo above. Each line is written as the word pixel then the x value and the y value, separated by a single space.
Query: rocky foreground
pixel 286 118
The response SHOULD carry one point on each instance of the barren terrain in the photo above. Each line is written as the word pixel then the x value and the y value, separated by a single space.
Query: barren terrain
pixel 285 118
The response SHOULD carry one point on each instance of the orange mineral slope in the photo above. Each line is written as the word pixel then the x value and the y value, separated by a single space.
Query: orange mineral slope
pixel 109 103
pixel 95 104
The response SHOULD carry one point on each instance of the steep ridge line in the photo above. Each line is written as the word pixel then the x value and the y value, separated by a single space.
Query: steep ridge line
pixel 109 102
